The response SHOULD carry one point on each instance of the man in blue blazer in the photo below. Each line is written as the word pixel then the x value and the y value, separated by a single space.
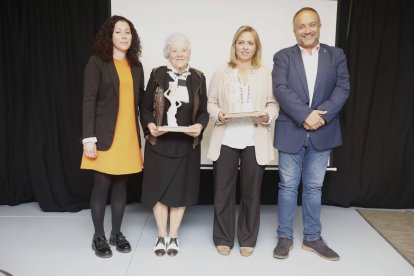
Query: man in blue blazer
pixel 311 84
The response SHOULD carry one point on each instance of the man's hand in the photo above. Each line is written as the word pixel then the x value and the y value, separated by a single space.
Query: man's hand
pixel 314 120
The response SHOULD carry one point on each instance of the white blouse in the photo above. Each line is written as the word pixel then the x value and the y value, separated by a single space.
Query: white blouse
pixel 239 131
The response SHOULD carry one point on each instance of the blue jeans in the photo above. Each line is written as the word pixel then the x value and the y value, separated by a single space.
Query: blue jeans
pixel 309 163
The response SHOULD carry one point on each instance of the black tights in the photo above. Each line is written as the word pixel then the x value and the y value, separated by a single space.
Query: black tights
pixel 102 183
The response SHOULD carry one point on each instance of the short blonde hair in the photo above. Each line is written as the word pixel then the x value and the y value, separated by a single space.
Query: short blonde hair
pixel 257 57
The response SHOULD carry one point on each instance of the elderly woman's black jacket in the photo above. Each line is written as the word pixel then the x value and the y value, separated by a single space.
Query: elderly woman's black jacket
pixel 154 108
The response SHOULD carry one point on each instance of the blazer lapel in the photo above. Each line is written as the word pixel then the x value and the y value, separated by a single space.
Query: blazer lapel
pixel 228 75
pixel 195 82
pixel 300 68
pixel 254 82
pixel 114 77
pixel 136 82
pixel 322 61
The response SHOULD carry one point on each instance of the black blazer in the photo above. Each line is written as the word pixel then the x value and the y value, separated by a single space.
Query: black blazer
pixel 101 99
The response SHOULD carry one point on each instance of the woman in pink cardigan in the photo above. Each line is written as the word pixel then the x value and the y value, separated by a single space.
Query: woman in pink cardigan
pixel 242 85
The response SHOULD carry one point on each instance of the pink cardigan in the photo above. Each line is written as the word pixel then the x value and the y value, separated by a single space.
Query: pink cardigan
pixel 263 100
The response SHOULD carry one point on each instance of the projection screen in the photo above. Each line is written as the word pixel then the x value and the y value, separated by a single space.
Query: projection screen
pixel 210 26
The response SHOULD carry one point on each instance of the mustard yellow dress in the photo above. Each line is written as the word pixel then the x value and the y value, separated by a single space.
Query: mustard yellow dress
pixel 124 156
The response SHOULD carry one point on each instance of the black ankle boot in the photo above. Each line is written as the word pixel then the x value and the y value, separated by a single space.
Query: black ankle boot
pixel 101 247
pixel 122 245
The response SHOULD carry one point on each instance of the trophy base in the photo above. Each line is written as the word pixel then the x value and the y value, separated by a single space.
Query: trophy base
pixel 244 114
pixel 177 129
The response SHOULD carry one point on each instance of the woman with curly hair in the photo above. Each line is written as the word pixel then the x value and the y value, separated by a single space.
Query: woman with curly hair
pixel 113 85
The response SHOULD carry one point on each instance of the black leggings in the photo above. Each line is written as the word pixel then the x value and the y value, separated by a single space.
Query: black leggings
pixel 102 183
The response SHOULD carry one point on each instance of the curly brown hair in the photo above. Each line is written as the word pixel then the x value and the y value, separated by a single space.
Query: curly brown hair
pixel 103 45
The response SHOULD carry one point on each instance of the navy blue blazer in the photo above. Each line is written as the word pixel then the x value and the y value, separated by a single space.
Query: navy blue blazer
pixel 291 91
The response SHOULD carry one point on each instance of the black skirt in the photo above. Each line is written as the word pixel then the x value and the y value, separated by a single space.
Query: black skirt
pixel 173 181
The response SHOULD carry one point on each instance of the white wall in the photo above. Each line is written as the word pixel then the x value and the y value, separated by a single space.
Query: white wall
pixel 210 26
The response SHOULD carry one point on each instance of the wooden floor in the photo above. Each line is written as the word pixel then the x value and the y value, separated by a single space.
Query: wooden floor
pixel 38 243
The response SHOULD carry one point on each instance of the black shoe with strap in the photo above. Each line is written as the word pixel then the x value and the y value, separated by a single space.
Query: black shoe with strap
pixel 173 247
pixel 101 247
pixel 160 246
pixel 121 243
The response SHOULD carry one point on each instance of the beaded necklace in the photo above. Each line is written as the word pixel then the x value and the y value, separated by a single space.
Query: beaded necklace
pixel 242 86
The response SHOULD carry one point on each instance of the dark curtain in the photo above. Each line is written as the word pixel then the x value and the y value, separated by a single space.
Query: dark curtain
pixel 44 47
pixel 376 162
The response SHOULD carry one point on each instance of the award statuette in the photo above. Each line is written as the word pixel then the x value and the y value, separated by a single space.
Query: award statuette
pixel 171 95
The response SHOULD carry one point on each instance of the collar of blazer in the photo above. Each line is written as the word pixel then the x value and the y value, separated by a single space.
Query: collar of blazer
pixel 229 70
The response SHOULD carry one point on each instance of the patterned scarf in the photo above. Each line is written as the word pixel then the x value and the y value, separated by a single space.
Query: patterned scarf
pixel 179 82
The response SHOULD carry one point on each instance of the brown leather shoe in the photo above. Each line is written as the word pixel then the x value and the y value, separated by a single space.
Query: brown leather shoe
pixel 223 250
pixel 246 251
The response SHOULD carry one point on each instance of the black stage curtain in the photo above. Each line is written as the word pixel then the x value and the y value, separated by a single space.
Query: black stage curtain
pixel 44 47
pixel 376 162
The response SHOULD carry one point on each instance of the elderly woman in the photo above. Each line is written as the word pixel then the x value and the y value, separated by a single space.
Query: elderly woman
pixel 172 159
pixel 242 85
pixel 113 84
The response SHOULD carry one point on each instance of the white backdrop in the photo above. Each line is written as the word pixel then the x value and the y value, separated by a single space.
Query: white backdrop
pixel 210 26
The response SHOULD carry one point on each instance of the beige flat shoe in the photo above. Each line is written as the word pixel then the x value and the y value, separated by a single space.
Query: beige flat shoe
pixel 246 251
pixel 223 250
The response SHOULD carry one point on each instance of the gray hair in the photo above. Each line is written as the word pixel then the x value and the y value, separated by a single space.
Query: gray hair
pixel 171 39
